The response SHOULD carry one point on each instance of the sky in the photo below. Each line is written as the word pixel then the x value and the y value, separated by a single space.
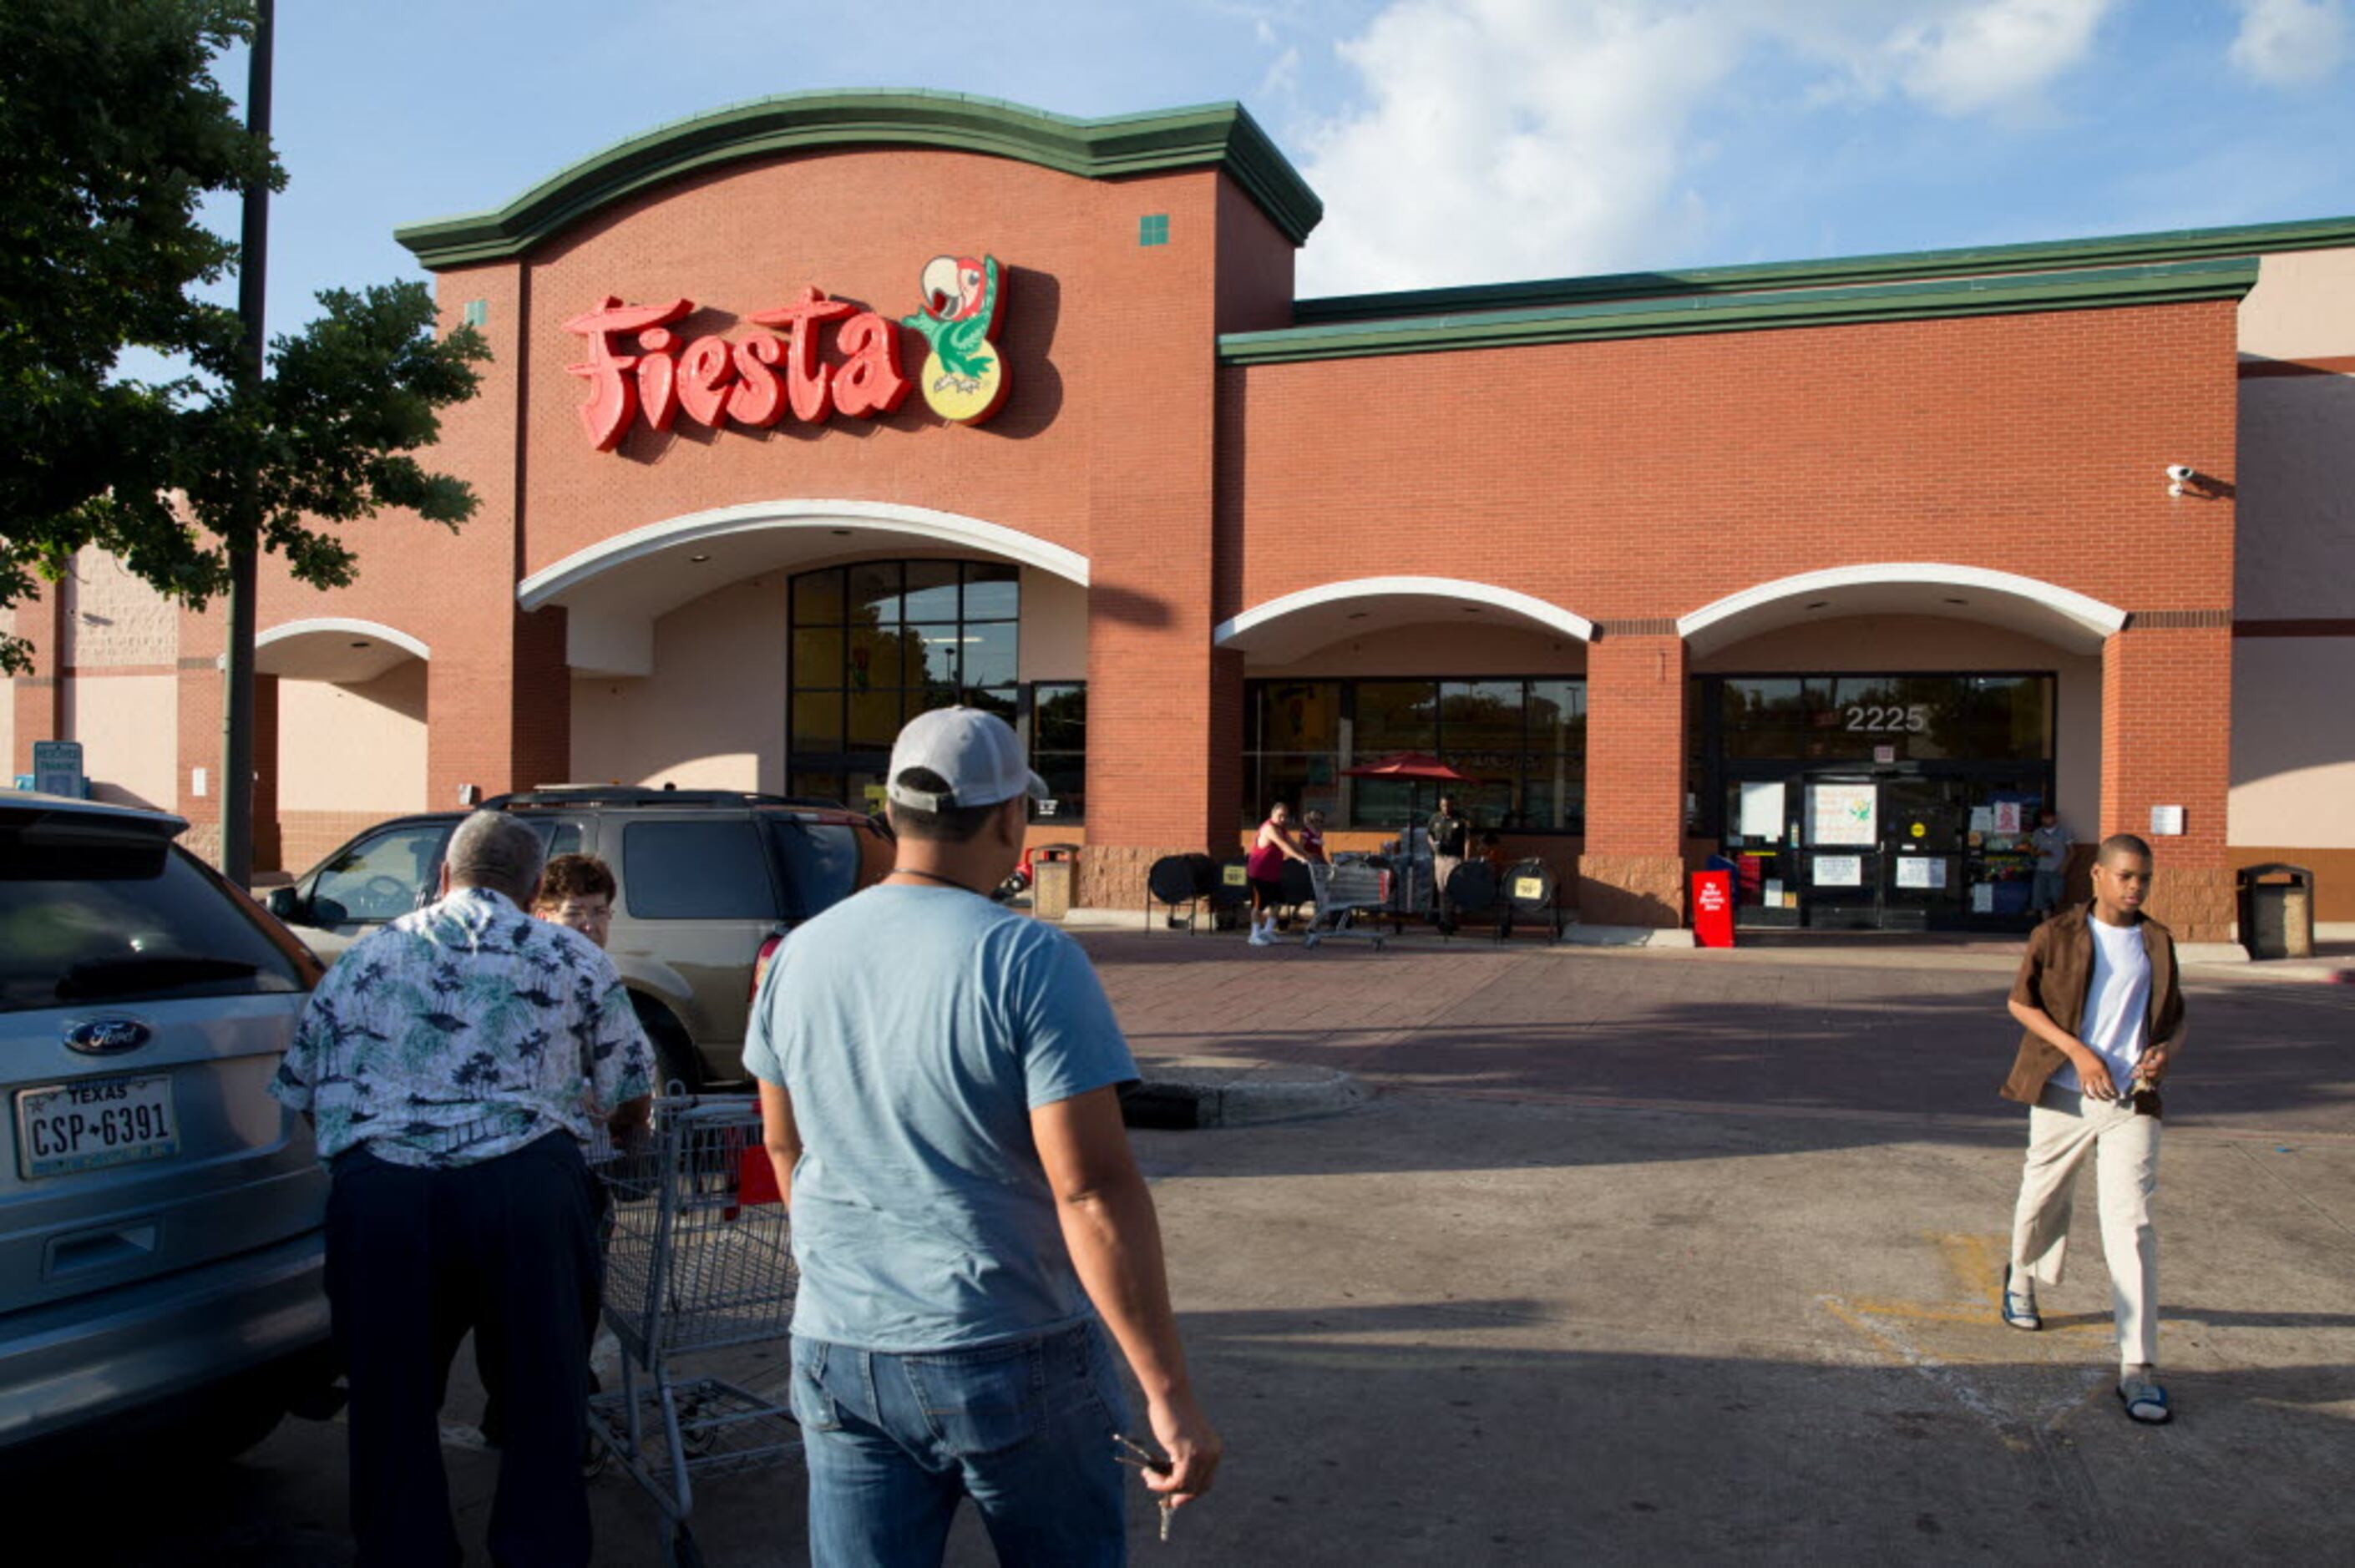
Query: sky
pixel 1451 140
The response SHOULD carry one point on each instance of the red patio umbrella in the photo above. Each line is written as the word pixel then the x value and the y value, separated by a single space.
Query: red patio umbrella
pixel 1416 764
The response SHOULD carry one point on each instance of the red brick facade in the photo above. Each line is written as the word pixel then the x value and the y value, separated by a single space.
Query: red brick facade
pixel 1629 480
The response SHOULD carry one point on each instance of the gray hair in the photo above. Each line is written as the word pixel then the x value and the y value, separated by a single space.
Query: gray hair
pixel 494 851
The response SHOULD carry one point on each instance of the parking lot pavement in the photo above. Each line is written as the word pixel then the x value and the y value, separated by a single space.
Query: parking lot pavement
pixel 1642 1258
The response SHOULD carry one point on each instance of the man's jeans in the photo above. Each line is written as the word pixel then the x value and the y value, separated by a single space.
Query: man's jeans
pixel 1024 1427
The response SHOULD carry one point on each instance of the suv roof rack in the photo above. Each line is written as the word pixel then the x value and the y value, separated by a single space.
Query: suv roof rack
pixel 639 795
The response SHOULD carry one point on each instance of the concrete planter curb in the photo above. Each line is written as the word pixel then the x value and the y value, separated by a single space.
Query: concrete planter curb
pixel 1178 1096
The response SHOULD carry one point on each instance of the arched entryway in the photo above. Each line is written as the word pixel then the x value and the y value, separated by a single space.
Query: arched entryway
pixel 779 646
pixel 346 701
pixel 1489 679
pixel 1871 745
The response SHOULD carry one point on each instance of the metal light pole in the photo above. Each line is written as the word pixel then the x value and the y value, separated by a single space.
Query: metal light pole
pixel 237 694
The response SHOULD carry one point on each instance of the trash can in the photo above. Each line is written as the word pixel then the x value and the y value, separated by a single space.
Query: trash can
pixel 1053 868
pixel 1712 908
pixel 2277 911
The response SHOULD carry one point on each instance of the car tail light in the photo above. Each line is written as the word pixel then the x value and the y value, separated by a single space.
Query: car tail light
pixel 761 965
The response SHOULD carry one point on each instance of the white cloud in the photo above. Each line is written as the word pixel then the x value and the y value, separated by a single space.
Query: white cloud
pixel 2290 43
pixel 1541 138
pixel 1996 55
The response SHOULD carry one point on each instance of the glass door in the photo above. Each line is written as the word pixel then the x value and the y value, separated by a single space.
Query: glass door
pixel 1841 857
pixel 1922 832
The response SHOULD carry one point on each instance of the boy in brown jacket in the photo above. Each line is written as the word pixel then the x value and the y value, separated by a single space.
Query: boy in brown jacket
pixel 2098 997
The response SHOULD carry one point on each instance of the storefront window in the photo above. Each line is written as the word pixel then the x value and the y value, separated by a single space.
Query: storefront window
pixel 875 644
pixel 1919 718
pixel 1523 740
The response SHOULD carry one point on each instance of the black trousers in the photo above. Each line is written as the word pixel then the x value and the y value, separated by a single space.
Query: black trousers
pixel 416 1257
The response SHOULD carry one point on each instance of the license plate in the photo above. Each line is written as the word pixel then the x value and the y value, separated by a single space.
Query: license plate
pixel 105 1121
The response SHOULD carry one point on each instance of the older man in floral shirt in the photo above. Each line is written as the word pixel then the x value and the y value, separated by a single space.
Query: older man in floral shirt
pixel 452 1063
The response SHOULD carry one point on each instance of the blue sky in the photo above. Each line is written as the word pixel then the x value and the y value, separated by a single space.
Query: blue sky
pixel 1453 141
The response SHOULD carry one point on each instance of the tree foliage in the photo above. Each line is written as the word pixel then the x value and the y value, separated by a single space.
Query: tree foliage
pixel 112 133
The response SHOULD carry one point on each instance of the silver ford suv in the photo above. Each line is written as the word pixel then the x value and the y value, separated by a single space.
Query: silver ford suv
pixel 161 1240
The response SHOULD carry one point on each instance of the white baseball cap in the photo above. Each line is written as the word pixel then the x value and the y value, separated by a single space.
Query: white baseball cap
pixel 976 752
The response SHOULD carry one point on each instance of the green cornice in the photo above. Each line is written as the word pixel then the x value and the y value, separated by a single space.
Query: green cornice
pixel 1216 135
pixel 2048 256
pixel 2009 294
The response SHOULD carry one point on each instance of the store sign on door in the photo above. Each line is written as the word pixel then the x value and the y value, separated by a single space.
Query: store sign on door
pixel 638 367
pixel 1843 814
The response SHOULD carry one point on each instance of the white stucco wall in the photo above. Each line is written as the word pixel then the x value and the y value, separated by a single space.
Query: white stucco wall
pixel 129 727
pixel 712 715
pixel 2292 742
pixel 2303 306
pixel 358 748
pixel 1441 649
pixel 1869 644
pixel 1054 641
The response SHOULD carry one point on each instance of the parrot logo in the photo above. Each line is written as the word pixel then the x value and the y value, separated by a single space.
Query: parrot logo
pixel 965 376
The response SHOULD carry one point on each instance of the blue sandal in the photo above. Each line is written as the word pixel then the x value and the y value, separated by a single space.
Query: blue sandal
pixel 2146 1402
pixel 2019 1312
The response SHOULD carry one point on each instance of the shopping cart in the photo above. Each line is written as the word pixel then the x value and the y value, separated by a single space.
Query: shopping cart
pixel 1345 891
pixel 700 1259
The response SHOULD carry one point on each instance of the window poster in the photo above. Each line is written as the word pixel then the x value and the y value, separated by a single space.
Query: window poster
pixel 1839 871
pixel 1983 898
pixel 2007 816
pixel 1844 814
pixel 1924 872
pixel 1762 810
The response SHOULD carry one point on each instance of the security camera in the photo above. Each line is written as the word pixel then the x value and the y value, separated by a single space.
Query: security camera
pixel 2181 472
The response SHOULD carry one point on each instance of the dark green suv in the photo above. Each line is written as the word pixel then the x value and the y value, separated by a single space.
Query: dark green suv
pixel 710 882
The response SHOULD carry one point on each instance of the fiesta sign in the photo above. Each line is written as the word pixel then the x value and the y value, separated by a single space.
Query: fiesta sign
pixel 637 366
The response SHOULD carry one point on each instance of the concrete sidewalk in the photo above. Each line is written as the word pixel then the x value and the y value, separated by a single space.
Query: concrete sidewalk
pixel 1637 1257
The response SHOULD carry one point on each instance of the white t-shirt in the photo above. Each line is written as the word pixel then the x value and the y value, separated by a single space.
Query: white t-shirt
pixel 2118 1003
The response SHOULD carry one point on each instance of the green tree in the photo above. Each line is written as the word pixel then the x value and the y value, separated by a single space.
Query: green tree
pixel 113 133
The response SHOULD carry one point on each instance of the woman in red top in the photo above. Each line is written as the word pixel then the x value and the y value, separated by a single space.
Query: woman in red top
pixel 1312 836
pixel 1264 868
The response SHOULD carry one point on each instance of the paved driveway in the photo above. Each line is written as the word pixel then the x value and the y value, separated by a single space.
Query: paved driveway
pixel 1639 1257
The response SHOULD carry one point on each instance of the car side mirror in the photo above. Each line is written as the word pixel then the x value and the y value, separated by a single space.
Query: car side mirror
pixel 284 902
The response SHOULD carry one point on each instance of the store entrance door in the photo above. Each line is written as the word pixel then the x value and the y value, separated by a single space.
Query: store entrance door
pixel 1881 849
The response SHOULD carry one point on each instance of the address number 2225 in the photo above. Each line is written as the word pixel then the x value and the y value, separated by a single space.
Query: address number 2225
pixel 1875 719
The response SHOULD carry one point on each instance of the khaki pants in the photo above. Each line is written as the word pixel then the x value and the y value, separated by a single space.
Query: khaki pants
pixel 2063 1127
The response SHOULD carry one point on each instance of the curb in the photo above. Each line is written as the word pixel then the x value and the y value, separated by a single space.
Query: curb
pixel 1180 1098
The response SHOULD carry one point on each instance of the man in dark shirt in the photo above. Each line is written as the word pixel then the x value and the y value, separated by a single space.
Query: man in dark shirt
pixel 1449 834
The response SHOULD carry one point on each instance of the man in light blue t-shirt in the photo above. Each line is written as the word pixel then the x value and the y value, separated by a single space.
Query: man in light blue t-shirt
pixel 939 1082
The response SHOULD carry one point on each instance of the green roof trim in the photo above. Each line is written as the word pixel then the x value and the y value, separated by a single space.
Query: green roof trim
pixel 1215 135
pixel 2007 294
pixel 2042 256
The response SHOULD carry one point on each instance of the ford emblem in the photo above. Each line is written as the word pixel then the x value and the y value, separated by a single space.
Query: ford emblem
pixel 108 1036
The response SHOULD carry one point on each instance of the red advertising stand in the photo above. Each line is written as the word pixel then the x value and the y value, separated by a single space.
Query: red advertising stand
pixel 1712 908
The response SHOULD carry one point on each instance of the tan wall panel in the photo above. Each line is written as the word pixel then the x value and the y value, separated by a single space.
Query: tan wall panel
pixel 360 747
pixel 1054 642
pixel 1874 644
pixel 2295 533
pixel 114 620
pixel 711 717
pixel 2292 742
pixel 129 727
pixel 2303 306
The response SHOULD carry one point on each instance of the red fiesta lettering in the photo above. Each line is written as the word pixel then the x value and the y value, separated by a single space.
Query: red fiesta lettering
pixel 806 380
pixel 612 392
pixel 635 366
pixel 704 375
pixel 759 400
pixel 870 381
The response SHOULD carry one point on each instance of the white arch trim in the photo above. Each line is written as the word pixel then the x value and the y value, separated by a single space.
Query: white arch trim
pixel 2089 614
pixel 1485 593
pixel 341 626
pixel 551 583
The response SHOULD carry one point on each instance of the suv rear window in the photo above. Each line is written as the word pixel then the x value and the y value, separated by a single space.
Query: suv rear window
pixel 696 871
pixel 818 864
pixel 119 918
